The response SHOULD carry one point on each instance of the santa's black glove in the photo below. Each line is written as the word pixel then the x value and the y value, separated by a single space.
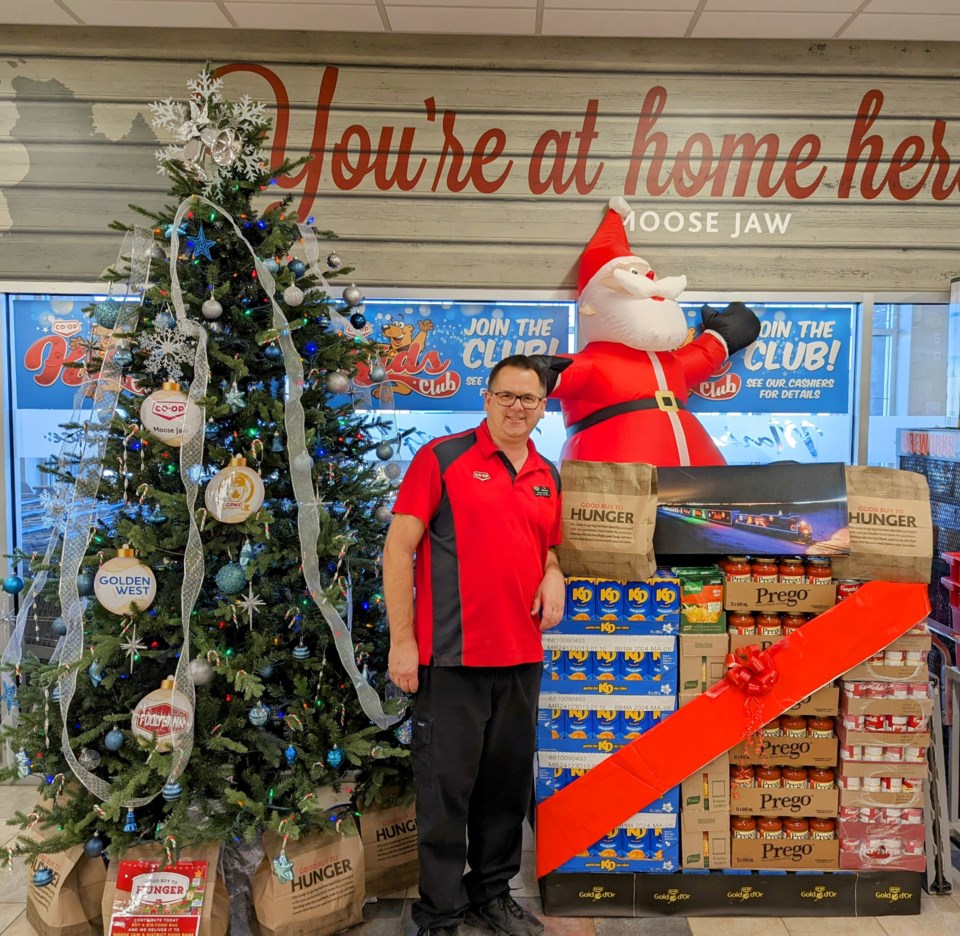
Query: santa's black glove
pixel 737 325
pixel 550 367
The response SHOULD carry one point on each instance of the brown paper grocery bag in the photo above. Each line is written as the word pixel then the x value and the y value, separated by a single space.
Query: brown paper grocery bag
pixel 70 904
pixel 609 511
pixel 389 849
pixel 215 912
pixel 326 893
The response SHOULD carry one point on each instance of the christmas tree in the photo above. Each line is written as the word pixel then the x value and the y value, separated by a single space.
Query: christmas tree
pixel 216 561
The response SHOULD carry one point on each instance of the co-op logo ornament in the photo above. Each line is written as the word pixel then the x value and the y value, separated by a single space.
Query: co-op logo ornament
pixel 170 415
pixel 125 583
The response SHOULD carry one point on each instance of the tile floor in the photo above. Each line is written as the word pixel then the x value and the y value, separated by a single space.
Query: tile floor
pixel 940 916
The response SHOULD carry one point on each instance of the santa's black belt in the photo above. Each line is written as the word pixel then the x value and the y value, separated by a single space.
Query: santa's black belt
pixel 663 400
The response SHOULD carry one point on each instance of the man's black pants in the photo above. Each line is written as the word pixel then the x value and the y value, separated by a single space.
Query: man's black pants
pixel 474 734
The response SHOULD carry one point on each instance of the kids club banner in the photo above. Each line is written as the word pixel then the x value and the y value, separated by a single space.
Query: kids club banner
pixel 801 363
pixel 438 355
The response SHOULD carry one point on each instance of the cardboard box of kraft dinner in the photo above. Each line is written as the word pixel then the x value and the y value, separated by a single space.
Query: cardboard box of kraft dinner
pixel 756 801
pixel 707 790
pixel 784 854
pixel 804 752
pixel 702 661
pixel 705 839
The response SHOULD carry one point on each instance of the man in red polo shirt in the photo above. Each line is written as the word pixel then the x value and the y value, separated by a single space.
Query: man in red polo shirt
pixel 475 523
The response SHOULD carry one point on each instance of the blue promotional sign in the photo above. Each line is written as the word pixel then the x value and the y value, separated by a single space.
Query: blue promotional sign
pixel 49 335
pixel 438 355
pixel 801 363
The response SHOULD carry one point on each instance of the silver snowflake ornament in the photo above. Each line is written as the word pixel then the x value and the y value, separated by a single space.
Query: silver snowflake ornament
pixel 168 349
pixel 133 647
pixel 251 604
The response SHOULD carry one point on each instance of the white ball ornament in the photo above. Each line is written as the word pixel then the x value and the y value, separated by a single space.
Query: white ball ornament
pixel 211 309
pixel 201 671
pixel 338 382
pixel 392 471
pixel 235 492
pixel 293 296
pixel 170 415
pixel 164 714
pixel 123 582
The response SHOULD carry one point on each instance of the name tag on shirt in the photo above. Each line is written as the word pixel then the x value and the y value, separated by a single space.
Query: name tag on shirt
pixel 541 491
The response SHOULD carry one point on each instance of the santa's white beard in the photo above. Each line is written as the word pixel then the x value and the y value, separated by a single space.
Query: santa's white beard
pixel 643 324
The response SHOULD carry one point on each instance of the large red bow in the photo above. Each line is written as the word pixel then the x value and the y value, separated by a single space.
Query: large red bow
pixel 752 670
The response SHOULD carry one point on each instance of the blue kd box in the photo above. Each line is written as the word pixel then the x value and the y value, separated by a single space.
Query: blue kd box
pixel 639 628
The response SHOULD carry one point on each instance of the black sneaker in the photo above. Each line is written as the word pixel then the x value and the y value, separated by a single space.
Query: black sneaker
pixel 506 916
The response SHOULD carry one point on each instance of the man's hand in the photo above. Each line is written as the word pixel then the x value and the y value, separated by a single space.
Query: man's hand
pixel 403 662
pixel 549 599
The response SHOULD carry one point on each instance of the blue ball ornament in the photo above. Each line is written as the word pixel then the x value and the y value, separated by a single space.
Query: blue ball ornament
pixel 171 792
pixel 114 740
pixel 266 672
pixel 164 320
pixel 106 314
pixel 273 352
pixel 93 847
pixel 290 754
pixel 123 358
pixel 42 876
pixel 13 584
pixel 258 715
pixel 58 627
pixel 358 320
pixel 334 757
pixel 96 673
pixel 85 583
pixel 231 579
pixel 301 652
pixel 297 268
pixel 271 264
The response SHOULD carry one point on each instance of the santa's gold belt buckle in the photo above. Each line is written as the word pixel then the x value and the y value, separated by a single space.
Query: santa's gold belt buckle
pixel 666 401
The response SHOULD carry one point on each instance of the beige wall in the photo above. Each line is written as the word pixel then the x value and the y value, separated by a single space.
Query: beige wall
pixel 76 147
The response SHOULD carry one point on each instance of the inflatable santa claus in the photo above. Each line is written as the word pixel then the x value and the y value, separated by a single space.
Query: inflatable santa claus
pixel 624 395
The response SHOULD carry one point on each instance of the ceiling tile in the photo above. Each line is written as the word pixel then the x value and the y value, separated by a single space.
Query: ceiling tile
pixel 916 6
pixel 661 6
pixel 768 25
pixel 906 26
pixel 518 4
pixel 183 13
pixel 628 24
pixel 328 17
pixel 782 6
pixel 35 13
pixel 466 20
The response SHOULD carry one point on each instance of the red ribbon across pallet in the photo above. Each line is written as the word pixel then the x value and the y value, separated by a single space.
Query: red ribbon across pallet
pixel 759 686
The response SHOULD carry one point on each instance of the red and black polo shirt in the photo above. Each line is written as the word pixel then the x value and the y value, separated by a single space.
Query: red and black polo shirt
pixel 482 556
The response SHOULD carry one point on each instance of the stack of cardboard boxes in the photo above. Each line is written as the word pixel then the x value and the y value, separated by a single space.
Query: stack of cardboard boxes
pixel 610 674
pixel 884 735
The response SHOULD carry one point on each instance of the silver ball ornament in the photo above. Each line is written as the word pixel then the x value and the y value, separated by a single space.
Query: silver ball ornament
pixel 378 373
pixel 383 514
pixel 258 715
pixel 89 759
pixel 392 471
pixel 201 671
pixel 293 296
pixel 211 309
pixel 334 261
pixel 384 451
pixel 352 295
pixel 338 382
pixel 303 462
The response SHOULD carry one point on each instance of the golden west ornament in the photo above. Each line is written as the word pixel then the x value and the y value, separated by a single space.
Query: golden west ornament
pixel 164 714
pixel 170 416
pixel 125 581
pixel 234 493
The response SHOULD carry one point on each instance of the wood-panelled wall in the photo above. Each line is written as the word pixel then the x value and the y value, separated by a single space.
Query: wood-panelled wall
pixel 751 165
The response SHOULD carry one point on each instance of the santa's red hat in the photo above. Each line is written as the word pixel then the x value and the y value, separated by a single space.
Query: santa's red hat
pixel 608 244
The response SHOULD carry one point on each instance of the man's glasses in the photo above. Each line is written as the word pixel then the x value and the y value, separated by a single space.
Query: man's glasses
pixel 506 398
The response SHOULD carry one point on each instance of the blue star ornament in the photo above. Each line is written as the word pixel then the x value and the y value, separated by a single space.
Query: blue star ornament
pixel 10 697
pixel 168 230
pixel 200 245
